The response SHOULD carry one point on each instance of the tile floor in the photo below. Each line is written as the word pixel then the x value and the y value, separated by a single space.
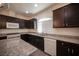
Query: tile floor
pixel 18 47
pixel 38 53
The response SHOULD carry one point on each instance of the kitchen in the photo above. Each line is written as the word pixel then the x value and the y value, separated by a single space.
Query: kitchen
pixel 42 29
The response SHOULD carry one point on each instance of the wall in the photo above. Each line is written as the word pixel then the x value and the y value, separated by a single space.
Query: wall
pixel 63 31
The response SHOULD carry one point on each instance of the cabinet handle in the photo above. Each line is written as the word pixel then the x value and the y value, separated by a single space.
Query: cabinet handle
pixel 62 44
pixel 66 24
pixel 68 49
pixel 72 51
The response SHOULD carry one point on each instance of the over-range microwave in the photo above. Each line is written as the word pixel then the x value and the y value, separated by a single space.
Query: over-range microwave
pixel 12 25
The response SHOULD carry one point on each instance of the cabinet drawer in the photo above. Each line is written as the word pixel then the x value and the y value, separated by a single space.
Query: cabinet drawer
pixel 63 43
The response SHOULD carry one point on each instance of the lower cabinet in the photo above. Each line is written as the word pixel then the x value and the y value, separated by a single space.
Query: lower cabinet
pixel 52 46
pixel 34 40
pixel 60 48
pixel 67 49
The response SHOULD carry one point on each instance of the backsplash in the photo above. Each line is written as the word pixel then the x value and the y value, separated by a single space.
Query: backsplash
pixel 66 31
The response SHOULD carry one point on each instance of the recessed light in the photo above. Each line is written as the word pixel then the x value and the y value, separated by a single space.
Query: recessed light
pixel 35 5
pixel 27 12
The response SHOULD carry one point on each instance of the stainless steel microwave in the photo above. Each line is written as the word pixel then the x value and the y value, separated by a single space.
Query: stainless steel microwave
pixel 12 25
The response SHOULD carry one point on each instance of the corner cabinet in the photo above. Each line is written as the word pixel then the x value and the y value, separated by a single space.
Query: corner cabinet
pixel 31 24
pixel 66 16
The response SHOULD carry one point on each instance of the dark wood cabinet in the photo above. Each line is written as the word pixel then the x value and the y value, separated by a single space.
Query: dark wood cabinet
pixel 16 20
pixel 34 40
pixel 2 22
pixel 58 18
pixel 31 24
pixel 67 49
pixel 23 24
pixel 72 15
pixel 27 24
pixel 66 16
pixel 4 19
pixel 3 37
pixel 39 42
pixel 2 25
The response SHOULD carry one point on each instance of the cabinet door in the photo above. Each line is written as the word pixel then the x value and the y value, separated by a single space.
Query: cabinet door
pixel 63 48
pixel 11 19
pixel 50 46
pixel 40 43
pixel 2 22
pixel 75 50
pixel 25 37
pixel 21 23
pixel 31 24
pixel 58 18
pixel 67 49
pixel 2 25
pixel 27 24
pixel 34 40
pixel 72 15
pixel 37 42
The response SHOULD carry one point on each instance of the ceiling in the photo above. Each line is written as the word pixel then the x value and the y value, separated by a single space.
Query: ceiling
pixel 23 7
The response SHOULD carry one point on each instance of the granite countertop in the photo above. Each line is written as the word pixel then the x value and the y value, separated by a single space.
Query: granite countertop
pixel 69 38
pixel 50 35
pixel 40 34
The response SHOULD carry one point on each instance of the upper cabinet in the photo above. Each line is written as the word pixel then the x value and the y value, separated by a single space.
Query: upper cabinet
pixel 66 16
pixel 2 22
pixel 58 18
pixel 23 24
pixel 31 24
